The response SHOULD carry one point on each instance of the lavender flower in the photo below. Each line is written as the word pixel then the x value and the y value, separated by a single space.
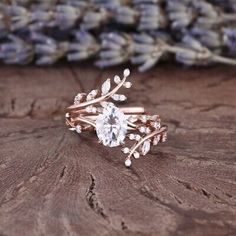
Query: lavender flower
pixel 208 37
pixel 19 17
pixel 195 31
pixel 84 47
pixel 148 50
pixel 192 52
pixel 48 50
pixel 94 19
pixel 16 51
pixel 116 49
pixel 152 17
pixel 230 39
pixel 180 13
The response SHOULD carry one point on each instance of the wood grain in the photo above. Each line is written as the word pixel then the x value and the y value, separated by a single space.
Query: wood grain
pixel 54 182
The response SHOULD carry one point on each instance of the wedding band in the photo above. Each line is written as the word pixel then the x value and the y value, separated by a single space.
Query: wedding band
pixel 116 126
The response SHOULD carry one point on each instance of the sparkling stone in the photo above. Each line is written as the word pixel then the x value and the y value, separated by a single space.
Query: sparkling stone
pixel 103 104
pixel 142 129
pixel 119 97
pixel 117 79
pixel 143 118
pixel 92 95
pixel 127 84
pixel 111 126
pixel 89 109
pixel 126 150
pixel 126 72
pixel 78 129
pixel 136 155
pixel 78 98
pixel 132 136
pixel 164 137
pixel 156 125
pixel 94 110
pixel 72 129
pixel 146 147
pixel 122 98
pixel 116 97
pixel 133 119
pixel 106 86
pixel 128 163
pixel 147 131
pixel 156 140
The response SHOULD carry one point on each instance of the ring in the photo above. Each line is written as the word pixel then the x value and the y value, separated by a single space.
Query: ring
pixel 116 126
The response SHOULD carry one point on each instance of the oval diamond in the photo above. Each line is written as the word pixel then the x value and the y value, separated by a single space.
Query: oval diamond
pixel 111 126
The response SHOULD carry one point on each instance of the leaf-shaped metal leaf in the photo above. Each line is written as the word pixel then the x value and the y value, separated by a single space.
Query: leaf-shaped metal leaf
pixel 106 86
pixel 146 147
pixel 156 139
pixel 92 95
pixel 78 98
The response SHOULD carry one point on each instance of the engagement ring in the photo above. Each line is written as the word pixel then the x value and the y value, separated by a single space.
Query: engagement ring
pixel 116 126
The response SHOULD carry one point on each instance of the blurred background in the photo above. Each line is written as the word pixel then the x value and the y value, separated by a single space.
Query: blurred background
pixel 113 32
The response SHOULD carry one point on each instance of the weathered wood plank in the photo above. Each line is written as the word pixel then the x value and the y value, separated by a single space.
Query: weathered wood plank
pixel 53 183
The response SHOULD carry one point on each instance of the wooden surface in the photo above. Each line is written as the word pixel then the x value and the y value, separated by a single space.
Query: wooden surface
pixel 54 182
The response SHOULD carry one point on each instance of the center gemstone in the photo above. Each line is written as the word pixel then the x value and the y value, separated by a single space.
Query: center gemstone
pixel 111 126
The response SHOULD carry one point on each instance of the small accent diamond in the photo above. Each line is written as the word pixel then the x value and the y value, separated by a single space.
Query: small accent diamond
pixel 126 150
pixel 142 129
pixel 126 72
pixel 122 98
pixel 164 137
pixel 127 84
pixel 78 129
pixel 128 163
pixel 78 98
pixel 132 136
pixel 136 155
pixel 117 79
pixel 156 139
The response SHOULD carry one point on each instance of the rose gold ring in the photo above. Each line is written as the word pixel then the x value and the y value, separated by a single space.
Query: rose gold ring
pixel 116 126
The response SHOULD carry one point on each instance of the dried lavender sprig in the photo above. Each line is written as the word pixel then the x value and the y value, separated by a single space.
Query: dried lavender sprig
pixel 142 49
pixel 208 36
pixel 144 16
pixel 85 46
pixel 16 51
pixel 186 13
pixel 141 15
pixel 229 39
pixel 146 50
pixel 191 52
pixel 47 49
pixel 111 49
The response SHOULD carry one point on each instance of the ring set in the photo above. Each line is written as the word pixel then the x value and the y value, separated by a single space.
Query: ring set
pixel 115 126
